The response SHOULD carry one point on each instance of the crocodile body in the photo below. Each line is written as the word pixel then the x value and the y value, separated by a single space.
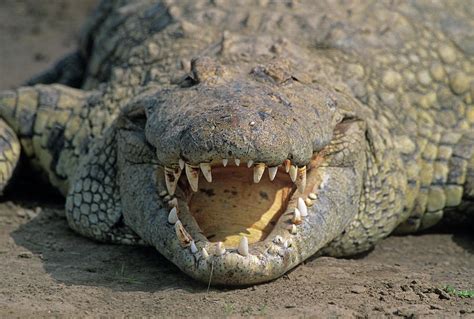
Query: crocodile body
pixel 362 113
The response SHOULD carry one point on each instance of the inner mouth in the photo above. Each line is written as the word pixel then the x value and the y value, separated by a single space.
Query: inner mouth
pixel 232 205
pixel 236 204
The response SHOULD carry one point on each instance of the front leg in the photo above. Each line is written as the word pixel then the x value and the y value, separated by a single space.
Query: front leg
pixel 68 71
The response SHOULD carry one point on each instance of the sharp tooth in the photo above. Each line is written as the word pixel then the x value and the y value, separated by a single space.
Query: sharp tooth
pixel 302 207
pixel 193 247
pixel 237 162
pixel 249 163
pixel 204 253
pixel 292 228
pixel 296 217
pixel 301 179
pixel 192 173
pixel 171 178
pixel 293 172
pixel 220 249
pixel 183 236
pixel 258 171
pixel 206 171
pixel 287 164
pixel 243 248
pixel 181 164
pixel 173 216
pixel 224 162
pixel 173 202
pixel 312 196
pixel 272 171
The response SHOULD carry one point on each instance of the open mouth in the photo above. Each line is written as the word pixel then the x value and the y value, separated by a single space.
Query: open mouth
pixel 241 221
pixel 232 205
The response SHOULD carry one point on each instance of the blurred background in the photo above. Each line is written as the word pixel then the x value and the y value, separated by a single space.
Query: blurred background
pixel 35 33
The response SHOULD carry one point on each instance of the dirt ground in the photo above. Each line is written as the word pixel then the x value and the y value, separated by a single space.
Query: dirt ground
pixel 47 270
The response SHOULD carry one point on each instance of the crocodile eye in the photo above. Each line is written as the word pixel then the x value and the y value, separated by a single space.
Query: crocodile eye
pixel 185 81
pixel 133 119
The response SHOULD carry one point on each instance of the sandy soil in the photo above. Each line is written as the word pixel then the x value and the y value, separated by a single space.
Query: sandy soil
pixel 47 270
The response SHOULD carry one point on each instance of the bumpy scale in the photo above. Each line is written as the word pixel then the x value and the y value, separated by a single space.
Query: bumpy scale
pixel 171 111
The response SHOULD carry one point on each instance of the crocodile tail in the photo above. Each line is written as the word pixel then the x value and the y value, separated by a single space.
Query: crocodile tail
pixel 9 153
pixel 50 123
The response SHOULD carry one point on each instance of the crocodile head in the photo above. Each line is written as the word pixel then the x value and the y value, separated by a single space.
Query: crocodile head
pixel 238 174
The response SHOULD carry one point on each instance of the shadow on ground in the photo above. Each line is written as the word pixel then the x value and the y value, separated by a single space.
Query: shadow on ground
pixel 75 260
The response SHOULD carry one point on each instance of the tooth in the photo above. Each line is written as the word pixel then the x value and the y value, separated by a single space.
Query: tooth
pixel 249 163
pixel 278 239
pixel 308 202
pixel 293 172
pixel 292 228
pixel 301 179
pixel 173 202
pixel 258 171
pixel 302 207
pixel 243 248
pixel 204 253
pixel 192 173
pixel 272 171
pixel 288 243
pixel 220 249
pixel 296 217
pixel 183 236
pixel 171 178
pixel 237 162
pixel 206 171
pixel 173 216
pixel 181 164
pixel 287 164
pixel 193 247
pixel 224 162
pixel 167 198
pixel 312 196
pixel 163 193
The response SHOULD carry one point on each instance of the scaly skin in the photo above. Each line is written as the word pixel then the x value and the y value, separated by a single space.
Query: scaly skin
pixel 374 99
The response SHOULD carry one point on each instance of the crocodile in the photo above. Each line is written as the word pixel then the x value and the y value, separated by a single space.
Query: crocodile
pixel 159 129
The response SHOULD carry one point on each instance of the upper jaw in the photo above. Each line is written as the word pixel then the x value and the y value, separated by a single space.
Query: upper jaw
pixel 241 119
pixel 192 172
